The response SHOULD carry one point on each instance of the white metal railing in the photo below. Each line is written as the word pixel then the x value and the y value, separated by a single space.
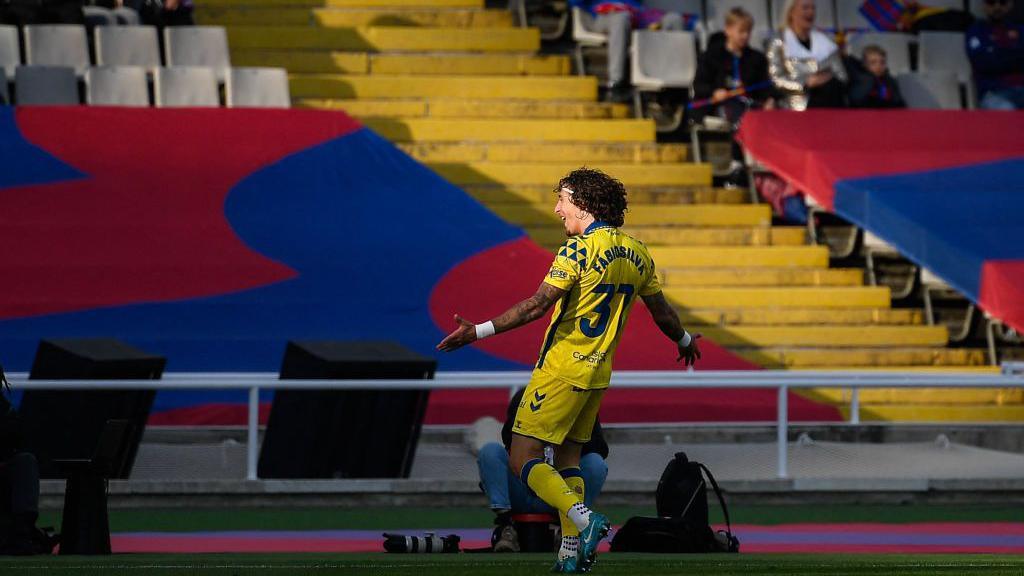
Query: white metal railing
pixel 1011 376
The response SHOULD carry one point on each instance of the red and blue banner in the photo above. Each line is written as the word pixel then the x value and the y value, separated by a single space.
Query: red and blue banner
pixel 213 237
pixel 946 188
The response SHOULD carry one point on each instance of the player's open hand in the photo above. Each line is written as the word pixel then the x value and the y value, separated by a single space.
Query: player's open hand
pixel 689 354
pixel 464 334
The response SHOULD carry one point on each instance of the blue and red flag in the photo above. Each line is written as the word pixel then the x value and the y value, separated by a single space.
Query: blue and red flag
pixel 946 188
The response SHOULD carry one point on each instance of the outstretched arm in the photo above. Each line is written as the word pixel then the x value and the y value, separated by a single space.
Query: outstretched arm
pixel 522 313
pixel 668 322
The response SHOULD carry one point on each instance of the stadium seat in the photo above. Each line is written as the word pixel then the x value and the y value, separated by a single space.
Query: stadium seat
pixel 896 46
pixel 934 288
pixel 57 45
pixel 10 49
pixel 661 60
pixel 258 88
pixel 943 52
pixel 824 17
pixel 198 46
pixel 127 46
pixel 584 38
pixel 930 90
pixel 46 86
pixel 186 86
pixel 117 86
pixel 98 16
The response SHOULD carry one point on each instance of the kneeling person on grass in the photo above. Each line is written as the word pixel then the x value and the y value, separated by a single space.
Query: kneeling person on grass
pixel 592 283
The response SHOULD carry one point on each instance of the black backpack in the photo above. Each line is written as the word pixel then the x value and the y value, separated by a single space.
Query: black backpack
pixel 682 525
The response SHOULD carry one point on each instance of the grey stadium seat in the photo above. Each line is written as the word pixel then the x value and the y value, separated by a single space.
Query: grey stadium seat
pixel 57 45
pixel 127 46
pixel 660 60
pixel 186 86
pixel 46 86
pixel 824 14
pixel 258 88
pixel 943 52
pixel 198 46
pixel 930 90
pixel 10 49
pixel 98 16
pixel 896 46
pixel 117 86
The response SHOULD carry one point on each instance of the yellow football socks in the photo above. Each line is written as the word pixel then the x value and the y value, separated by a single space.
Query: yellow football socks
pixel 549 485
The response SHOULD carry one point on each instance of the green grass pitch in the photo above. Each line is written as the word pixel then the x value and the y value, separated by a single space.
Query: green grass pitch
pixel 515 564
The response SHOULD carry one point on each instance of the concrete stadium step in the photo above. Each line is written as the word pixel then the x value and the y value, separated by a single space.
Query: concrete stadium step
pixel 761 276
pixel 923 396
pixel 467 109
pixel 638 195
pixel 783 357
pixel 799 316
pixel 519 173
pixel 327 62
pixel 687 215
pixel 775 297
pixel 946 413
pixel 583 88
pixel 485 130
pixel 660 236
pixel 390 4
pixel 385 38
pixel 350 17
pixel 748 257
pixel 826 336
pixel 603 152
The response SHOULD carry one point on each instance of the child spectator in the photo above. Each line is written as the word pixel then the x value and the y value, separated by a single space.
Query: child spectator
pixel 871 85
pixel 996 50
pixel 734 77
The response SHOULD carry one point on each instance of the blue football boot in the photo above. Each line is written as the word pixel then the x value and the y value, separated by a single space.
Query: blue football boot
pixel 590 537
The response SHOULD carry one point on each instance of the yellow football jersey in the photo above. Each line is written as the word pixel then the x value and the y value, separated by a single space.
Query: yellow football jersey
pixel 603 271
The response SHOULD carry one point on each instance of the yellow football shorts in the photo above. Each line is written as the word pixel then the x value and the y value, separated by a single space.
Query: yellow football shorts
pixel 553 410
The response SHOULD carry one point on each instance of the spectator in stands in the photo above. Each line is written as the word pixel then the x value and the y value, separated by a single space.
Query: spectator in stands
pixel 733 77
pixel 508 494
pixel 871 85
pixel 996 49
pixel 19 487
pixel 805 64
pixel 165 12
pixel 617 19
pixel 25 12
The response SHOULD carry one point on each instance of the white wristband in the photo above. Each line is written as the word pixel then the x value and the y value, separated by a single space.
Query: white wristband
pixel 684 341
pixel 484 330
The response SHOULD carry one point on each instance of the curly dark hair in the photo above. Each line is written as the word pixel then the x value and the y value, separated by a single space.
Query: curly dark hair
pixel 597 193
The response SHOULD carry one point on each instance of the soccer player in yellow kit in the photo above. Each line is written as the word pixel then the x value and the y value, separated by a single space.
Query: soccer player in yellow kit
pixel 593 282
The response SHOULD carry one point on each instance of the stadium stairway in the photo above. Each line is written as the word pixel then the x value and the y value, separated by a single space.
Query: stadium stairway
pixel 463 90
